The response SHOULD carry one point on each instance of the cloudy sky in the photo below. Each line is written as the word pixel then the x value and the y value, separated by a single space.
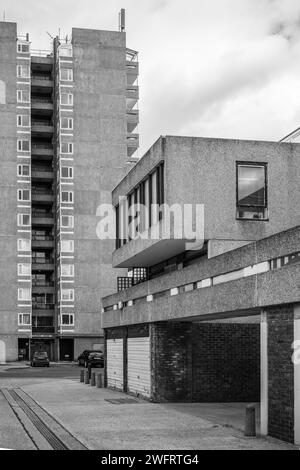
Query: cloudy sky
pixel 215 68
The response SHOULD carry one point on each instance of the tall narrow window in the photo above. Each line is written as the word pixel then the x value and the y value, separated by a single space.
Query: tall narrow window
pixel 66 123
pixel 252 197
pixel 23 120
pixel 66 75
pixel 67 147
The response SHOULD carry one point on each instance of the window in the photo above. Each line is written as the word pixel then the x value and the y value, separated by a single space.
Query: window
pixel 23 48
pixel 24 220
pixel 23 194
pixel 252 191
pixel 23 170
pixel 23 120
pixel 24 293
pixel 66 99
pixel 24 269
pixel 23 96
pixel 66 147
pixel 66 75
pixel 23 145
pixel 24 244
pixel 67 295
pixel 67 319
pixel 23 71
pixel 67 246
pixel 24 319
pixel 67 270
pixel 67 221
pixel 66 123
pixel 66 51
pixel 67 172
pixel 67 196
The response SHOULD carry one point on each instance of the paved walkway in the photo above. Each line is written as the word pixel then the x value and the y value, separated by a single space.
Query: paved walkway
pixel 95 417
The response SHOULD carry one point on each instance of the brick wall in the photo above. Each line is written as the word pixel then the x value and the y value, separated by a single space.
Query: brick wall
pixel 205 362
pixel 280 322
pixel 226 362
pixel 170 357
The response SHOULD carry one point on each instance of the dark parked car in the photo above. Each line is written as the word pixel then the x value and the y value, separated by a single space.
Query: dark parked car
pixel 83 358
pixel 96 359
pixel 40 358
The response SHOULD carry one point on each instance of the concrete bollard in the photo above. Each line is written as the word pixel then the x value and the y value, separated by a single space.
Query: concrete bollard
pixel 99 381
pixel 93 379
pixel 86 377
pixel 82 375
pixel 250 424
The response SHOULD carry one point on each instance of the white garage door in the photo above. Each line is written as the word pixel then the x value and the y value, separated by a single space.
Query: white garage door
pixel 115 363
pixel 139 366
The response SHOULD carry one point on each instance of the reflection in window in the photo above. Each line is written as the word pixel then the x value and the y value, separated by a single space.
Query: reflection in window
pixel 252 191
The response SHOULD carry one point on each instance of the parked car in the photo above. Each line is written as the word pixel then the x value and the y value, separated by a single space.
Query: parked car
pixel 40 358
pixel 96 359
pixel 83 358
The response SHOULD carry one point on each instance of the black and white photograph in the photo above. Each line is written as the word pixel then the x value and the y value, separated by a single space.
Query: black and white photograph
pixel 149 228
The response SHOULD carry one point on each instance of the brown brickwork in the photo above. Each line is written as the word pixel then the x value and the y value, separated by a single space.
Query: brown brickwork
pixel 281 372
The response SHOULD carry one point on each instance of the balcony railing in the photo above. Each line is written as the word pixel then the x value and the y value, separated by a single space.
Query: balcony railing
pixel 42 123
pixel 41 100
pixel 42 146
pixel 42 238
pixel 41 169
pixel 42 260
pixel 42 329
pixel 42 306
pixel 43 215
pixel 38 283
pixel 42 77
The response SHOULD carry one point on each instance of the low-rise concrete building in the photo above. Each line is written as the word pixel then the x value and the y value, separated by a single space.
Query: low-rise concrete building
pixel 218 323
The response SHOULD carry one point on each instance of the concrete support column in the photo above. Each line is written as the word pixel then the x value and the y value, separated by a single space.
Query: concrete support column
pixel 264 374
pixel 297 373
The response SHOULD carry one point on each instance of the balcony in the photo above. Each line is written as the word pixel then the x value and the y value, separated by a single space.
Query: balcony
pixel 42 196
pixel 41 173
pixel 42 219
pixel 42 308
pixel 132 143
pixel 41 128
pixel 42 150
pixel 132 71
pixel 42 241
pixel 42 83
pixel 42 287
pixel 132 92
pixel 42 105
pixel 42 265
pixel 132 118
pixel 43 330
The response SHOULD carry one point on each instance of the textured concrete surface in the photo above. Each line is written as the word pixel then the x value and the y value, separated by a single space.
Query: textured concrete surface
pixel 12 434
pixel 100 424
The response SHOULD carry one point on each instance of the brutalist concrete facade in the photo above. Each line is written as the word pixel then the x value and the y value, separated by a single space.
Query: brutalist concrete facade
pixel 222 327
pixel 68 120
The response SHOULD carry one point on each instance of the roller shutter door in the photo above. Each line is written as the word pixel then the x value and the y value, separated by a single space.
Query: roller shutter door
pixel 138 380
pixel 115 363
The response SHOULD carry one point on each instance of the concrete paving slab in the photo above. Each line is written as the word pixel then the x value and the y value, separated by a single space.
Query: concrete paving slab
pixel 85 411
pixel 12 433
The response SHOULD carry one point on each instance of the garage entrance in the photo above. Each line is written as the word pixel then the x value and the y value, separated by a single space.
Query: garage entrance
pixel 114 363
pixel 66 349
pixel 138 366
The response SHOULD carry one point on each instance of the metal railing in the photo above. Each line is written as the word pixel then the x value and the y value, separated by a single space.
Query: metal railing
pixel 43 329
pixel 42 306
pixel 35 76
pixel 42 260
pixel 42 238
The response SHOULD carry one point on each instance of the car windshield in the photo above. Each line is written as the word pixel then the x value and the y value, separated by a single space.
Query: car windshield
pixel 40 355
pixel 97 354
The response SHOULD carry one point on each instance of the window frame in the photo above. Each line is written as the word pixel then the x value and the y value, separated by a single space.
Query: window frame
pixel 71 316
pixel 21 316
pixel 70 102
pixel 24 289
pixel 70 146
pixel 70 199
pixel 22 116
pixel 70 75
pixel 71 270
pixel 20 145
pixel 71 296
pixel 69 121
pixel 20 220
pixel 67 251
pixel 264 207
pixel 22 274
pixel 20 93
pixel 70 218
pixel 20 166
pixel 20 45
pixel 20 241
pixel 20 192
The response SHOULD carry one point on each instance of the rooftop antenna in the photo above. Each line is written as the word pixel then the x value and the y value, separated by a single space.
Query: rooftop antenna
pixel 50 35
pixel 122 20
pixel 4 18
